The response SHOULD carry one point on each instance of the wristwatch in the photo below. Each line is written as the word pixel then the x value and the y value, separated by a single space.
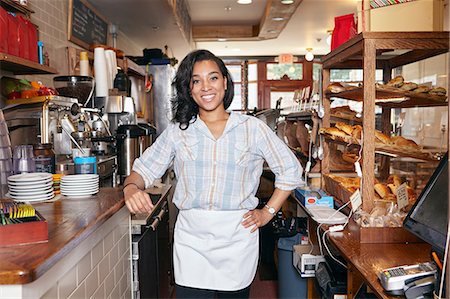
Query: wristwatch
pixel 271 210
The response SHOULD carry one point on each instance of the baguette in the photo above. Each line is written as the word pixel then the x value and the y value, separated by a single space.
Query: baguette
pixel 383 138
pixel 344 127
pixel 396 82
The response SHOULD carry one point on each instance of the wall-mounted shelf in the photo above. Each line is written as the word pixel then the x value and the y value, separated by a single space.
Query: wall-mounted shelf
pixel 20 66
pixel 13 6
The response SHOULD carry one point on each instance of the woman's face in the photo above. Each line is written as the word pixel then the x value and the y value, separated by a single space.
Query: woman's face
pixel 208 86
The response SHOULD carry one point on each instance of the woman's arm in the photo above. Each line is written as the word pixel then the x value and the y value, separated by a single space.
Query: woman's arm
pixel 259 218
pixel 137 201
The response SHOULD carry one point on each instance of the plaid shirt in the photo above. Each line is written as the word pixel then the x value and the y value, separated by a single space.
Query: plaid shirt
pixel 222 174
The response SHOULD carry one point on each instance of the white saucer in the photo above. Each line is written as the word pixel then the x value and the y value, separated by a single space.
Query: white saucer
pixel 30 186
pixel 32 198
pixel 30 177
pixel 30 192
pixel 30 183
pixel 79 177
pixel 71 192
pixel 79 196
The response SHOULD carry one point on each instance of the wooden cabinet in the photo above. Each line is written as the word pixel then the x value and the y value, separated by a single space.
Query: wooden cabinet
pixel 379 50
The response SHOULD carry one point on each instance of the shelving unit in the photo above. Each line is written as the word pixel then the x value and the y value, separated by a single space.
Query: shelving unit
pixel 20 66
pixel 386 51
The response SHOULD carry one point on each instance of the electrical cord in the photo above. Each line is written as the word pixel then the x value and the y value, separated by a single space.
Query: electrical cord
pixel 444 266
pixel 331 216
pixel 329 252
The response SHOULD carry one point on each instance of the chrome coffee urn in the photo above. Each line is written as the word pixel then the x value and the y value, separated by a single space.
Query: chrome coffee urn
pixel 132 141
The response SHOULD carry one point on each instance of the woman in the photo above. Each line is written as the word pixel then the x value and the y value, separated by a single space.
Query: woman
pixel 218 160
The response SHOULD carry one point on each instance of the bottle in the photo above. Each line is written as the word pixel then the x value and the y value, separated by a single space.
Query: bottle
pixel 41 52
pixel 84 64
pixel 44 157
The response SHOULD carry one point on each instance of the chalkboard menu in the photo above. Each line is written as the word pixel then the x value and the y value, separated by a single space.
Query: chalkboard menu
pixel 86 26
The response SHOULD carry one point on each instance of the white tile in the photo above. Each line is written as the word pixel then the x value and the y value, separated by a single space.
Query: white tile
pixel 68 283
pixel 118 270
pixel 51 294
pixel 114 256
pixel 92 282
pixel 103 268
pixel 108 242
pixel 84 268
pixel 115 294
pixel 100 293
pixel 96 254
pixel 109 283
pixel 79 293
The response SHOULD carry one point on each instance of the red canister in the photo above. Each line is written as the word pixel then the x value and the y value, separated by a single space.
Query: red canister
pixel 13 35
pixel 24 50
pixel 3 31
pixel 32 41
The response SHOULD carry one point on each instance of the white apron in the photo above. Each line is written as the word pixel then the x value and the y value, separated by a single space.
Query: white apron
pixel 213 250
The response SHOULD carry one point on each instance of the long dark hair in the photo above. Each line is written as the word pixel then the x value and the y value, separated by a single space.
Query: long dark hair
pixel 185 110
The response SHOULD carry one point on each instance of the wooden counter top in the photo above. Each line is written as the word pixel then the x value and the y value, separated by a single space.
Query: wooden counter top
pixel 70 221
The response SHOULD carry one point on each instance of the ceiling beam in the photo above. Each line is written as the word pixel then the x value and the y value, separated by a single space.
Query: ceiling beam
pixel 268 28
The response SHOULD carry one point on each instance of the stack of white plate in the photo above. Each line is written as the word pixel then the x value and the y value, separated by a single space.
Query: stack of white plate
pixel 31 187
pixel 79 185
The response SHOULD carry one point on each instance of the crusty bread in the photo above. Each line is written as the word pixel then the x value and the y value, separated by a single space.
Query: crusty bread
pixel 422 89
pixel 396 82
pixel 395 180
pixel 393 188
pixel 349 157
pixel 356 132
pixel 407 86
pixel 411 195
pixel 401 141
pixel 335 87
pixel 382 190
pixel 438 91
pixel 383 138
pixel 334 132
pixel 344 127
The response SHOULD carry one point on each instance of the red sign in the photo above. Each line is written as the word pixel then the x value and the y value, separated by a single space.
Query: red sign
pixel 285 59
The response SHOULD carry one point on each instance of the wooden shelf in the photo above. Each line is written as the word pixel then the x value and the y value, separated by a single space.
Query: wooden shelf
pixel 387 150
pixel 380 50
pixel 20 66
pixel 134 69
pixel 393 98
pixel 13 6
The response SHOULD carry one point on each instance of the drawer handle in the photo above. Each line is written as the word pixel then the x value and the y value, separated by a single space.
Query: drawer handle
pixel 158 219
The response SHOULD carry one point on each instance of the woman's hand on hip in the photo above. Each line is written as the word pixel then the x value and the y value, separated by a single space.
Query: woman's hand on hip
pixel 256 218
pixel 137 201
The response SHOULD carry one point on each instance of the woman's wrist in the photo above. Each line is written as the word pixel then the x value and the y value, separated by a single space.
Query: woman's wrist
pixel 131 184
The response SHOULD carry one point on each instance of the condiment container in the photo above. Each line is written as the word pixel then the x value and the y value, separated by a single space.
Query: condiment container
pixel 85 165
pixel 44 157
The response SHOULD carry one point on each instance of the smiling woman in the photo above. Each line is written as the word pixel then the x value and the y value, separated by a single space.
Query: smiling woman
pixel 218 159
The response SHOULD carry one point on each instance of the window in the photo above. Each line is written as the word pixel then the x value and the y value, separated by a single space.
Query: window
pixel 277 71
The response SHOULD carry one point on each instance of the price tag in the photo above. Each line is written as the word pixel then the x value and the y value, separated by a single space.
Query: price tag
pixel 402 196
pixel 356 201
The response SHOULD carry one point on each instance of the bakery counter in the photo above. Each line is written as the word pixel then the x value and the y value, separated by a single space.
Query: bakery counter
pixel 87 253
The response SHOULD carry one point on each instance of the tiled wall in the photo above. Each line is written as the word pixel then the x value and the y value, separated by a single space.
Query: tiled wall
pixel 51 17
pixel 98 268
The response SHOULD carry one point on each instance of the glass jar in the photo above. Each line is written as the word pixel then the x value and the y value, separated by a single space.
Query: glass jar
pixel 44 157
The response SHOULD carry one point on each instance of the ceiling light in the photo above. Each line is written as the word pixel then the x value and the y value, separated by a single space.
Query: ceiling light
pixel 277 19
pixel 329 33
pixel 244 1
pixel 309 56
pixel 271 31
pixel 287 1
pixel 221 39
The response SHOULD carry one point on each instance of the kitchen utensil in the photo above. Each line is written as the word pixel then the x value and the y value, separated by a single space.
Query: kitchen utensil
pixel 23 159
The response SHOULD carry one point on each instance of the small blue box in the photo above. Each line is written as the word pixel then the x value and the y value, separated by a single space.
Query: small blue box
pixel 314 197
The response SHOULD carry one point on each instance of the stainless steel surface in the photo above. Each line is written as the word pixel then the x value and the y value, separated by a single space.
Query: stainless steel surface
pixel 162 94
pixel 128 152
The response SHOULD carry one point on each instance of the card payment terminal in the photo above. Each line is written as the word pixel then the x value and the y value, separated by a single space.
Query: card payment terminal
pixel 394 280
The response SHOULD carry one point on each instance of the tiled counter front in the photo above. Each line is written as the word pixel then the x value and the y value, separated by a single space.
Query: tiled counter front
pixel 96 267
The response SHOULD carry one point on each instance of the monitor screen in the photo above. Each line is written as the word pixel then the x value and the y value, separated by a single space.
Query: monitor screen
pixel 428 218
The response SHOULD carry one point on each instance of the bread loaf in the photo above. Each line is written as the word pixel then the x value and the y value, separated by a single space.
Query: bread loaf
pixel 422 89
pixel 356 133
pixel 382 190
pixel 438 91
pixel 383 138
pixel 403 142
pixel 395 180
pixel 344 127
pixel 335 87
pixel 334 132
pixel 396 82
pixel 407 86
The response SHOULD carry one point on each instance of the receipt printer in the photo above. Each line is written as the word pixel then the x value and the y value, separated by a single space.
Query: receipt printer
pixel 314 197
